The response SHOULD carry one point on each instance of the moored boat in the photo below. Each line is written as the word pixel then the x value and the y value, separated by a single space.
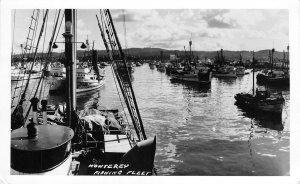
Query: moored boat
pixel 275 76
pixel 223 69
pixel 91 142
pixel 260 100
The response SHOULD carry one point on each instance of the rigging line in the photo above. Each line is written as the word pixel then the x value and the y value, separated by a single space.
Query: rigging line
pixel 110 56
pixel 13 40
pixel 34 33
pixel 59 27
pixel 23 61
pixel 34 58
pixel 35 54
pixel 119 94
pixel 125 32
pixel 130 85
pixel 44 37
pixel 37 82
pixel 46 63
pixel 125 91
pixel 108 28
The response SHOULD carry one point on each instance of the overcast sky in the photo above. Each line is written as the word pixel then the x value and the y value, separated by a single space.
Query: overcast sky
pixel 209 29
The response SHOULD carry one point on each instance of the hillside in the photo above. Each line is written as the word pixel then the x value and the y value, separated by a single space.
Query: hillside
pixel 156 52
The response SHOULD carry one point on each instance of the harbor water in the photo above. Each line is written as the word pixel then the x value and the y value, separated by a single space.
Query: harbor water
pixel 199 129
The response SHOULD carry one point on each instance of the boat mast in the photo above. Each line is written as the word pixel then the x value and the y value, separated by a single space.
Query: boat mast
pixel 288 57
pixel 185 55
pixel 222 58
pixel 70 52
pixel 190 43
pixel 272 59
pixel 253 63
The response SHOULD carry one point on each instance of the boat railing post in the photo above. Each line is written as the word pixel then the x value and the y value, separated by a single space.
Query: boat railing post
pixel 34 102
pixel 44 110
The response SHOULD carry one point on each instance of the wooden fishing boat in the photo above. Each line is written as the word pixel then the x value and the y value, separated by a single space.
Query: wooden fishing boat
pixel 190 73
pixel 240 68
pixel 87 78
pixel 275 76
pixel 19 74
pixel 260 100
pixel 223 69
pixel 90 142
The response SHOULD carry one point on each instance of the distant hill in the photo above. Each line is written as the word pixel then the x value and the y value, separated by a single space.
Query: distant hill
pixel 156 52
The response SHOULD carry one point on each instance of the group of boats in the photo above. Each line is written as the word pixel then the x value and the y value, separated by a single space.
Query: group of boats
pixel 61 140
pixel 192 71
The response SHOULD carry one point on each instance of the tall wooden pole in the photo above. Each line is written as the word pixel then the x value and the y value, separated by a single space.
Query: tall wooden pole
pixel 70 53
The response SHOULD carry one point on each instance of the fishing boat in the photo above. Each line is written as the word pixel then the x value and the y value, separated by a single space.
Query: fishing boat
pixel 131 66
pixel 240 68
pixel 261 100
pixel 57 77
pixel 37 149
pixel 191 73
pixel 19 74
pixel 88 77
pixel 275 76
pixel 89 142
pixel 152 65
pixel 222 68
pixel 161 67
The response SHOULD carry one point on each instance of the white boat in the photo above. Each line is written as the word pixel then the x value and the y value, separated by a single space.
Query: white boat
pixel 96 142
pixel 18 74
pixel 87 79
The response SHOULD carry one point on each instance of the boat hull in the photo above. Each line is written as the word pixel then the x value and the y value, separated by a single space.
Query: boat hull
pixel 264 79
pixel 267 105
pixel 24 77
pixel 202 78
pixel 233 75
pixel 57 86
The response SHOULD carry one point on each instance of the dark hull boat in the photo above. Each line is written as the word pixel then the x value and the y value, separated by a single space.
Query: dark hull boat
pixel 276 76
pixel 261 100
pixel 273 105
pixel 273 80
pixel 201 78
pixel 90 142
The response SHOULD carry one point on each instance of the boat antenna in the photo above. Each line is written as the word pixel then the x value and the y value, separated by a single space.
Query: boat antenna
pixel 241 59
pixel 190 43
pixel 272 59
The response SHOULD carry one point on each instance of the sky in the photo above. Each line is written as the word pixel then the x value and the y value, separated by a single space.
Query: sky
pixel 208 29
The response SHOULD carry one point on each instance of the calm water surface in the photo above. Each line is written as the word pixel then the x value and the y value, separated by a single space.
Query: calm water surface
pixel 199 129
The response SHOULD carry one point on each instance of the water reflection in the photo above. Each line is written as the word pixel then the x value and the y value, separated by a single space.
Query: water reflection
pixel 264 119
pixel 201 88
pixel 84 100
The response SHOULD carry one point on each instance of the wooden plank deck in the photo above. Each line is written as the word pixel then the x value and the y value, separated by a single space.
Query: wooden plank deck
pixel 116 144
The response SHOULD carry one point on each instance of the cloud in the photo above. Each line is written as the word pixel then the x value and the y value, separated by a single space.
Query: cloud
pixel 216 19
pixel 128 18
